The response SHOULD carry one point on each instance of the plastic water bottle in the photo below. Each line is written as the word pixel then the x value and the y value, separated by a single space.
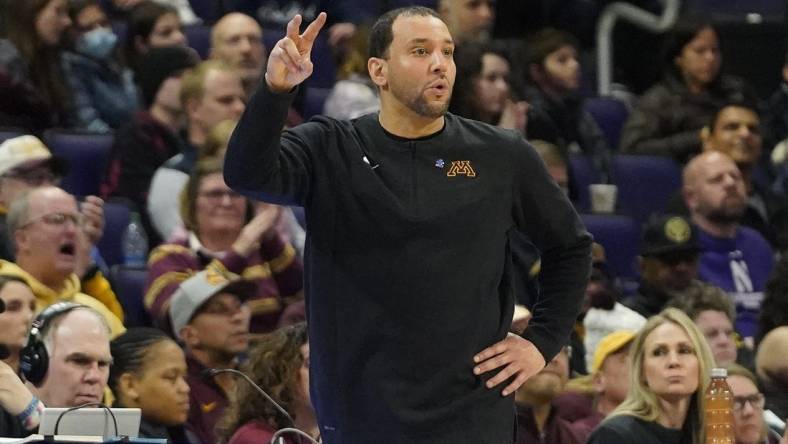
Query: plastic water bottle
pixel 718 416
pixel 135 243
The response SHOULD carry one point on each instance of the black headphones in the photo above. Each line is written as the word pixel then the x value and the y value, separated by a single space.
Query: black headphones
pixel 33 359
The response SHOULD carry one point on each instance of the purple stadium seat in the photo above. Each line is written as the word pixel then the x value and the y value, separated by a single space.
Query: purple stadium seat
pixel 645 184
pixel 610 114
pixel 581 176
pixel 324 74
pixel 620 235
pixel 129 285
pixel 87 155
pixel 116 219
pixel 199 38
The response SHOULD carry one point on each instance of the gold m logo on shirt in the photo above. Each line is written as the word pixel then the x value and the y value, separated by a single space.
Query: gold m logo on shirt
pixel 461 167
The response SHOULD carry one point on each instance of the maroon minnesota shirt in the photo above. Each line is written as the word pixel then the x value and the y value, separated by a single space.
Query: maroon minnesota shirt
pixel 207 402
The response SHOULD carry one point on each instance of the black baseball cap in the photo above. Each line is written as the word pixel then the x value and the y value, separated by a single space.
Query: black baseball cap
pixel 669 235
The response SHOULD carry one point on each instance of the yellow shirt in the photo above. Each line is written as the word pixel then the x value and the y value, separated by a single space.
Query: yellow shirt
pixel 46 296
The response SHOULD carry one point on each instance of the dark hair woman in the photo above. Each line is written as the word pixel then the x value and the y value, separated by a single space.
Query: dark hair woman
pixel 148 372
pixel 668 118
pixel 151 25
pixel 483 89
pixel 32 90
pixel 557 112
pixel 105 96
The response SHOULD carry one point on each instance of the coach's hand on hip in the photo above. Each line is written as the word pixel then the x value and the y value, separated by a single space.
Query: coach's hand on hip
pixel 518 357
pixel 290 62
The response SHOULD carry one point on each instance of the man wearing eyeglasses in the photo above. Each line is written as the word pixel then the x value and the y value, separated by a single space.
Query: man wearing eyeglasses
pixel 26 164
pixel 209 315
pixel 47 231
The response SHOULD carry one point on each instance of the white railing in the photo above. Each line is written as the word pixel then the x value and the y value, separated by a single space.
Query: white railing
pixel 624 11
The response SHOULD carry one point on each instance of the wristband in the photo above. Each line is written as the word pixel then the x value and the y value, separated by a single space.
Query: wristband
pixel 31 416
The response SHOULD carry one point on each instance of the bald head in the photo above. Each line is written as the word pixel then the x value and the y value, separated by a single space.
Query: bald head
pixel 770 362
pixel 237 40
pixel 714 192
pixel 695 168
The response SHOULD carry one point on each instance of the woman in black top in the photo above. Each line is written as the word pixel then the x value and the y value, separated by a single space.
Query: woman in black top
pixel 669 371
pixel 149 373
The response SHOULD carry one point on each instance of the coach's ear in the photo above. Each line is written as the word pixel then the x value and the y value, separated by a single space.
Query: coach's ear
pixel 378 71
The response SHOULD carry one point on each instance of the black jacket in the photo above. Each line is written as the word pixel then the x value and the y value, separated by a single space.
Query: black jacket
pixel 407 264
pixel 668 118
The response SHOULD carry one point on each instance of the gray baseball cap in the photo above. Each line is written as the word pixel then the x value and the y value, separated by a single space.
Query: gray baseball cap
pixel 194 292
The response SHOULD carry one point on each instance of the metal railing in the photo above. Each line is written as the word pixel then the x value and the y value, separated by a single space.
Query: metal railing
pixel 640 17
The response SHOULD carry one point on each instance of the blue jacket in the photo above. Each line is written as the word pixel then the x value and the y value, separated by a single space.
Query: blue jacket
pixel 104 95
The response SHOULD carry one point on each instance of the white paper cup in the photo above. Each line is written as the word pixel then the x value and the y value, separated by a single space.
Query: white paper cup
pixel 603 197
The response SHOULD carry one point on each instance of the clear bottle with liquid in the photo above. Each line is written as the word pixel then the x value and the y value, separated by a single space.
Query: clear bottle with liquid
pixel 135 243
pixel 718 414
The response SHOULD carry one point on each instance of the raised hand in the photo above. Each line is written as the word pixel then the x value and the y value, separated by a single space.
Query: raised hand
pixel 92 210
pixel 290 61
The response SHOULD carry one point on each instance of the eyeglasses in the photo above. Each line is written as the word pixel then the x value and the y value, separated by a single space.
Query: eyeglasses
pixel 756 401
pixel 56 219
pixel 34 176
pixel 219 195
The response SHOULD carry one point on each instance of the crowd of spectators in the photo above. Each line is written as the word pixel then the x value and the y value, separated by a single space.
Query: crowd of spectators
pixel 225 274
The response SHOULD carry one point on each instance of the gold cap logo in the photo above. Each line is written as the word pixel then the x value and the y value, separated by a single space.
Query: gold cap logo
pixel 677 230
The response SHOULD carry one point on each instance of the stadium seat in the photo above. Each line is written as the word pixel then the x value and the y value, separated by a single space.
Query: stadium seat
pixel 581 175
pixel 129 285
pixel 325 69
pixel 645 184
pixel 87 155
pixel 116 219
pixel 610 114
pixel 199 38
pixel 620 235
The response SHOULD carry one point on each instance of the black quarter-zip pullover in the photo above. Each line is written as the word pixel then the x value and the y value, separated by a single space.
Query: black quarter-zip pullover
pixel 407 265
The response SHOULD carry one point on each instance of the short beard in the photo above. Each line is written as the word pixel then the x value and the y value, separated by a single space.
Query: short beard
pixel 422 108
pixel 725 216
pixel 418 104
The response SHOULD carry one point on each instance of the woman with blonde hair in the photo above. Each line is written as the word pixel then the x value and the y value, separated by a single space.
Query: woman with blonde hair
pixel 670 364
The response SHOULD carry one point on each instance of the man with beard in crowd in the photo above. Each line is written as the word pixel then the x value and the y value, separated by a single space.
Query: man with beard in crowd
pixel 734 257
